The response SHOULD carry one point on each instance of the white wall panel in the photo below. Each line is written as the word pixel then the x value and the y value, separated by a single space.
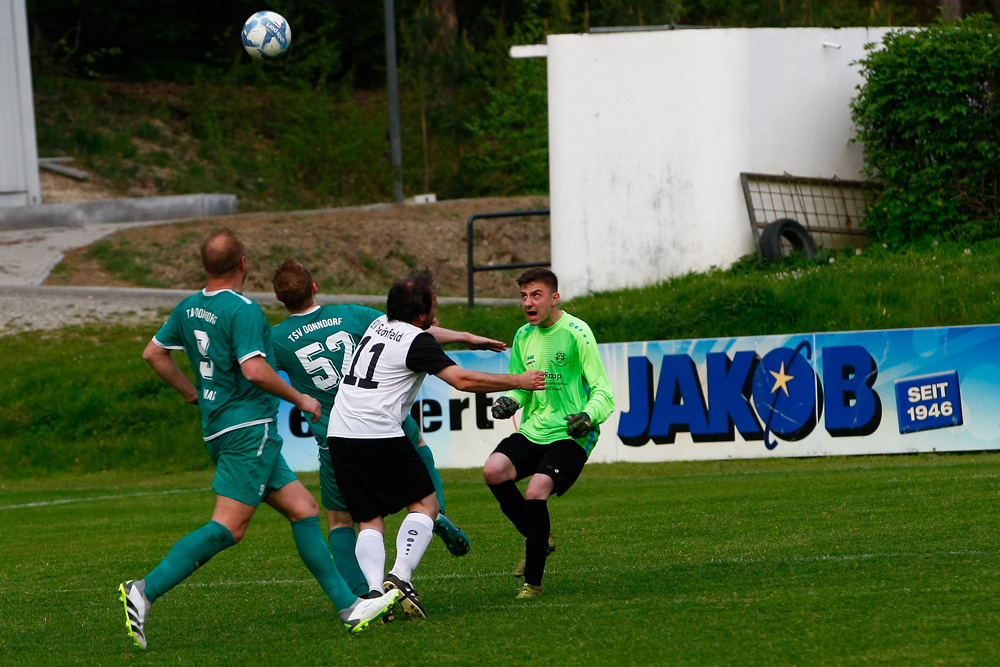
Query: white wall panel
pixel 19 184
pixel 649 131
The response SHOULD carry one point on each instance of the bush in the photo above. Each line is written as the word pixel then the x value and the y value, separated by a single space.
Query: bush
pixel 929 118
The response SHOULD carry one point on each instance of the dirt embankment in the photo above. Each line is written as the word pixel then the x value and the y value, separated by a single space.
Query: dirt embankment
pixel 350 251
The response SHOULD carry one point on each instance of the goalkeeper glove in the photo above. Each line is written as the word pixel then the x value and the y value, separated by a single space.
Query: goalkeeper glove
pixel 504 408
pixel 578 425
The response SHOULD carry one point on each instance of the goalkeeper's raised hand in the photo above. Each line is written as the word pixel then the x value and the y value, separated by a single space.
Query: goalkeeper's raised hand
pixel 578 425
pixel 504 408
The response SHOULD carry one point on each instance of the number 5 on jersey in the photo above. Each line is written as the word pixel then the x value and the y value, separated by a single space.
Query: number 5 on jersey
pixel 324 372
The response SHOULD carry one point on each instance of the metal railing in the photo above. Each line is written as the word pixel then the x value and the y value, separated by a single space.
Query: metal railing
pixel 470 239
pixel 831 209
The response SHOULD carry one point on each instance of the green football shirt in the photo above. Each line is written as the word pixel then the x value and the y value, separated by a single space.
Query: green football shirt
pixel 575 380
pixel 218 331
pixel 316 347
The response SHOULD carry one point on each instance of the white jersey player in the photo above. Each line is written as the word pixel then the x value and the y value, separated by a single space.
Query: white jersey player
pixel 401 355
pixel 377 468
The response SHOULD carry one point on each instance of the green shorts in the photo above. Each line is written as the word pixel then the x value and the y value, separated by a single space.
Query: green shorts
pixel 248 463
pixel 329 492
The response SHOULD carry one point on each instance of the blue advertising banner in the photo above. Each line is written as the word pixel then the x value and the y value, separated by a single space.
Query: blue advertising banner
pixel 846 393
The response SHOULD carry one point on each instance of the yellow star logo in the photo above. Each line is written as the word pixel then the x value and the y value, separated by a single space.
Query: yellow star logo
pixel 781 380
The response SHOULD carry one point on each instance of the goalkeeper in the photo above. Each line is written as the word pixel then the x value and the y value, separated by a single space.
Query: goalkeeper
pixel 559 426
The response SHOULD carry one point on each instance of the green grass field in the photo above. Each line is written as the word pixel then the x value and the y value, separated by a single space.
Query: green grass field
pixel 885 560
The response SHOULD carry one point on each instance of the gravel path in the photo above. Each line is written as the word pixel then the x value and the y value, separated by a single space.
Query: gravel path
pixel 34 308
pixel 39 308
pixel 27 257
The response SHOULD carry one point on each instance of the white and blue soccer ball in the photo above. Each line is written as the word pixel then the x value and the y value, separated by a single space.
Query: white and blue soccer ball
pixel 266 35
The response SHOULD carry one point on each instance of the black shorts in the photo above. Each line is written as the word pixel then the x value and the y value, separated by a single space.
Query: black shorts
pixel 561 460
pixel 378 477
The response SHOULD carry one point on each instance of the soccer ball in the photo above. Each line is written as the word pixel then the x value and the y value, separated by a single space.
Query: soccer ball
pixel 266 35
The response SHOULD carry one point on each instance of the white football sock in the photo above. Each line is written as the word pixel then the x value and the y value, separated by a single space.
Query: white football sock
pixel 370 551
pixel 415 534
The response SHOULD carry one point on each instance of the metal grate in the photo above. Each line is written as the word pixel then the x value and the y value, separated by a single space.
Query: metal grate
pixel 831 209
pixel 470 238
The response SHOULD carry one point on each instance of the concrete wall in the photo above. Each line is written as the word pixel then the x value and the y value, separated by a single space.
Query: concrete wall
pixel 649 131
pixel 130 209
pixel 19 184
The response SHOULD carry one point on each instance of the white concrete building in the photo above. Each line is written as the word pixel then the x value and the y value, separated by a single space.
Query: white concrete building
pixel 649 132
pixel 19 184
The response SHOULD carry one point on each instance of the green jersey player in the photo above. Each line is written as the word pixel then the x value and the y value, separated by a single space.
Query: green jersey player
pixel 227 340
pixel 315 346
pixel 560 425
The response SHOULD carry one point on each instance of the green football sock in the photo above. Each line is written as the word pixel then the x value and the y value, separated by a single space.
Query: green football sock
pixel 428 458
pixel 187 555
pixel 343 541
pixel 315 554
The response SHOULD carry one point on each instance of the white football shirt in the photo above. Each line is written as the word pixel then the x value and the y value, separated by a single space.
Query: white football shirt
pixel 389 365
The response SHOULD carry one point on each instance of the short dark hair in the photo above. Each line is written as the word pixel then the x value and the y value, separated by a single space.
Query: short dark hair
pixel 411 297
pixel 221 253
pixel 539 274
pixel 292 284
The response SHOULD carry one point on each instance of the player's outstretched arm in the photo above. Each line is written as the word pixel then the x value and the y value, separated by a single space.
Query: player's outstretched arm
pixel 162 361
pixel 472 341
pixel 464 379
pixel 257 370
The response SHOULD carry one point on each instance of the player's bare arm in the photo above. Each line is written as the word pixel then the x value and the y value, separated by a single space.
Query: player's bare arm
pixel 472 341
pixel 163 363
pixel 257 370
pixel 464 379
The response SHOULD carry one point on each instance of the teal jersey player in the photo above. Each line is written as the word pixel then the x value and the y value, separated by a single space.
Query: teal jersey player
pixel 228 342
pixel 575 380
pixel 315 349
pixel 217 331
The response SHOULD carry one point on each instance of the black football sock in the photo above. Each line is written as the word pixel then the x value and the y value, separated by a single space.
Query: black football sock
pixel 511 503
pixel 536 549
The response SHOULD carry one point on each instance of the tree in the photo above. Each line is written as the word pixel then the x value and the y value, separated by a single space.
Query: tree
pixel 436 60
pixel 928 115
pixel 951 9
pixel 511 131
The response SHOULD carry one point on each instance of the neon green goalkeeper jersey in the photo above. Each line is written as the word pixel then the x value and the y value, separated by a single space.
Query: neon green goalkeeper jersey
pixel 575 380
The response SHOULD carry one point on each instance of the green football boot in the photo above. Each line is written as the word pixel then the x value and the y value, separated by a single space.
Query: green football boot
pixel 452 536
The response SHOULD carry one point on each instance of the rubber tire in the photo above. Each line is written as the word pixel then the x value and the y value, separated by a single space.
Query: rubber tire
pixel 791 231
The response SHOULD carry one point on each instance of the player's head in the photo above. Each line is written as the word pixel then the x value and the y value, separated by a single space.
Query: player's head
pixel 540 296
pixel 223 254
pixel 539 274
pixel 413 299
pixel 293 285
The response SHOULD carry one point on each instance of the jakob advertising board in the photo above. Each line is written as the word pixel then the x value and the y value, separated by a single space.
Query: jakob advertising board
pixel 866 392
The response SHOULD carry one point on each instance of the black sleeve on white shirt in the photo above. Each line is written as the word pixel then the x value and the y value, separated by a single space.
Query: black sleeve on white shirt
pixel 426 356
